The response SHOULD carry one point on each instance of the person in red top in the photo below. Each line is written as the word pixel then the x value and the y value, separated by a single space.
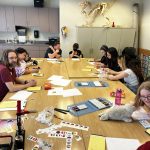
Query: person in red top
pixel 8 79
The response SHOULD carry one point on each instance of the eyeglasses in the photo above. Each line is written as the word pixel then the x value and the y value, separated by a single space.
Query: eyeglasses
pixel 12 58
pixel 143 98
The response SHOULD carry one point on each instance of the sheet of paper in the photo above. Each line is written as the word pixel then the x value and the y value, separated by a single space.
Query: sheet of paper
pixel 97 83
pixel 96 143
pixel 91 63
pixel 87 70
pixel 55 77
pixel 55 91
pixel 71 92
pixel 35 88
pixel 61 82
pixel 52 59
pixel 21 95
pixel 76 59
pixel 125 144
pixel 11 105
pixel 38 74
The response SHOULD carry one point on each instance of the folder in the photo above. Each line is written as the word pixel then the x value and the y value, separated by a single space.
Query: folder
pixel 96 143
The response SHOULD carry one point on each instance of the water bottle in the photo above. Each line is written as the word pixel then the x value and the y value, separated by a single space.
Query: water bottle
pixel 118 97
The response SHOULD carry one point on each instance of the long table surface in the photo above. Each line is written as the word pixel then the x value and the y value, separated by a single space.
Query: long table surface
pixel 40 100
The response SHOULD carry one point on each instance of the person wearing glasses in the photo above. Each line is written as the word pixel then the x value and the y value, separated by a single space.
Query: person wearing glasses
pixel 9 82
pixel 142 102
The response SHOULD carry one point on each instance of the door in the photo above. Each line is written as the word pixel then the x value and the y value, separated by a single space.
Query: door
pixel 32 17
pixel 98 39
pixel 20 16
pixel 127 38
pixel 54 20
pixel 43 19
pixel 2 19
pixel 113 37
pixel 10 19
pixel 84 39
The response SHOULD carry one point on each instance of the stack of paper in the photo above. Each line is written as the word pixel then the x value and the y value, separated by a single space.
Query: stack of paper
pixel 21 95
pixel 123 144
pixel 71 92
pixel 11 105
pixel 61 82
pixel 55 77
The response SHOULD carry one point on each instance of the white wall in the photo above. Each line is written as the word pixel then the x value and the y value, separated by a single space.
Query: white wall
pixel 145 25
pixel 70 16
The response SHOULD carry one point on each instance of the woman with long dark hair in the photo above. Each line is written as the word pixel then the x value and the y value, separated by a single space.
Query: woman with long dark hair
pixel 131 71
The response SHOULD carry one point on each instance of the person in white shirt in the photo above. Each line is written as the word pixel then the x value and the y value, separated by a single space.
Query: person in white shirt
pixel 142 102
pixel 131 70
pixel 22 67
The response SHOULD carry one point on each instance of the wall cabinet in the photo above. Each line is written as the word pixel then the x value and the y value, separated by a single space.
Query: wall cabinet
pixel 2 19
pixel 91 39
pixel 53 20
pixel 10 19
pixel 44 19
pixel 32 17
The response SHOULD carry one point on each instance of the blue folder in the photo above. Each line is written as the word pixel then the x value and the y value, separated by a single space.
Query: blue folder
pixel 90 107
pixel 89 84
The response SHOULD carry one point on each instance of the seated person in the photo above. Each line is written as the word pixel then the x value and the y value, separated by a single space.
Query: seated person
pixel 104 60
pixel 131 72
pixel 53 51
pixel 76 53
pixel 9 82
pixel 22 67
pixel 142 102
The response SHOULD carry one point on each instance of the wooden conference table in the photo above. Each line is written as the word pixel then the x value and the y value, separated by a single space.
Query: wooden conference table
pixel 73 70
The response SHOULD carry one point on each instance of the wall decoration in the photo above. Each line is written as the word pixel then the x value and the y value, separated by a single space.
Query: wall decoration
pixel 91 12
pixel 64 31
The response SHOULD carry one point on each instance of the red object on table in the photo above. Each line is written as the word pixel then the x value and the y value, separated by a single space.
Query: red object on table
pixel 47 86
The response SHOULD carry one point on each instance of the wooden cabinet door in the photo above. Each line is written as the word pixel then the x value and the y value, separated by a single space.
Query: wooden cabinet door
pixel 32 17
pixel 10 19
pixel 43 50
pixel 2 19
pixel 54 20
pixel 98 39
pixel 84 39
pixel 20 16
pixel 43 19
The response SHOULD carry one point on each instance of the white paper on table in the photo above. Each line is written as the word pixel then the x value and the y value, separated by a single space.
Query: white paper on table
pixel 55 77
pixel 61 82
pixel 71 92
pixel 52 59
pixel 91 63
pixel 97 83
pixel 56 91
pixel 76 59
pixel 121 143
pixel 21 95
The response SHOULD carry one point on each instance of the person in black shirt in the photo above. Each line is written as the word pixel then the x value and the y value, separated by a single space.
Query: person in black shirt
pixel 75 53
pixel 104 60
pixel 112 56
pixel 53 51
